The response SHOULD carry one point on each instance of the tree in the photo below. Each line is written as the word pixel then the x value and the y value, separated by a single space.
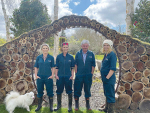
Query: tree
pixel 9 5
pixel 56 37
pixel 74 45
pixel 94 38
pixel 141 21
pixel 129 11
pixel 31 14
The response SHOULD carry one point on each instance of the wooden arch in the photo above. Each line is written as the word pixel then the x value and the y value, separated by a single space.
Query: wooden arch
pixel 17 56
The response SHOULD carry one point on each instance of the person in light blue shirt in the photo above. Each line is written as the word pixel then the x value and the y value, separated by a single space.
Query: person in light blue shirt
pixel 64 74
pixel 107 70
pixel 84 69
pixel 44 72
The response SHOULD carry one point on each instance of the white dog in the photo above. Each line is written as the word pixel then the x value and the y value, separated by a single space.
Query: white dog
pixel 14 99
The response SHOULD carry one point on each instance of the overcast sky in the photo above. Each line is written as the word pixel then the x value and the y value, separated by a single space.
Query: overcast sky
pixel 108 12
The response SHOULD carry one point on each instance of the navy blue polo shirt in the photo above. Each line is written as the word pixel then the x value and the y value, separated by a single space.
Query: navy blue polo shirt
pixel 64 64
pixel 84 68
pixel 44 67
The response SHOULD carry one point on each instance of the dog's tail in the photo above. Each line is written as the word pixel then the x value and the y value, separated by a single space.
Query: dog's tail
pixel 10 96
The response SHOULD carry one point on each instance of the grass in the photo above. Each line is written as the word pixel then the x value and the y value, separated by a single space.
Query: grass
pixel 99 57
pixel 46 110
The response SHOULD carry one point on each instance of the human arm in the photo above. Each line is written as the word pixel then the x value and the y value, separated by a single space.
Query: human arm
pixel 93 68
pixel 35 71
pixel 53 71
pixel 56 72
pixel 75 68
pixel 110 74
pixel 113 60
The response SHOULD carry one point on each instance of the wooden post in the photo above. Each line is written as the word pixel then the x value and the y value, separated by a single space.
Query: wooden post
pixel 129 12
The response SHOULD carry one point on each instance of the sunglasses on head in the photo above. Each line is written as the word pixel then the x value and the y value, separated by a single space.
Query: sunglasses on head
pixel 65 44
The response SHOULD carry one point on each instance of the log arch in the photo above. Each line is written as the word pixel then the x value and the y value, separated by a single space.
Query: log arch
pixel 133 55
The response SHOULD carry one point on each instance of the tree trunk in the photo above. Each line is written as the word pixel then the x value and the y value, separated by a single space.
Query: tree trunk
pixel 56 38
pixel 7 23
pixel 129 12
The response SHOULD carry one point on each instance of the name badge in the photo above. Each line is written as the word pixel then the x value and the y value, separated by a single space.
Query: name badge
pixel 69 60
pixel 106 59
pixel 90 56
pixel 49 60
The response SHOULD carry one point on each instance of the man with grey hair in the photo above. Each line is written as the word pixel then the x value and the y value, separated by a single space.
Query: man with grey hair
pixel 84 69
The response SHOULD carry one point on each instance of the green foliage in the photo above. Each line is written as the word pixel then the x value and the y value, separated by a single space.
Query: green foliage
pixel 2 41
pixel 99 57
pixel 141 21
pixel 50 42
pixel 46 110
pixel 74 45
pixel 31 14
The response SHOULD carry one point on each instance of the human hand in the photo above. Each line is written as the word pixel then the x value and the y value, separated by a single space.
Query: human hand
pixel 37 77
pixel 56 77
pixel 71 78
pixel 51 77
pixel 107 77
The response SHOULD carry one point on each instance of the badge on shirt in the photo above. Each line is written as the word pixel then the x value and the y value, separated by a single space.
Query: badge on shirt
pixel 49 60
pixel 90 56
pixel 106 59
pixel 69 60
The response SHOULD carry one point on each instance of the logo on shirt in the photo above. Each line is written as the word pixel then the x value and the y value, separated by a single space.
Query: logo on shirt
pixel 90 56
pixel 49 60
pixel 106 59
pixel 69 60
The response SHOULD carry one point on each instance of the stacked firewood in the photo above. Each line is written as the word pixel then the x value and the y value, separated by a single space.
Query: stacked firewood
pixel 17 60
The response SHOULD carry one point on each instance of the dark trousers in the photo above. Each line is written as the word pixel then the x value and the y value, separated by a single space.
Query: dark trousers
pixel 64 82
pixel 109 92
pixel 81 80
pixel 40 86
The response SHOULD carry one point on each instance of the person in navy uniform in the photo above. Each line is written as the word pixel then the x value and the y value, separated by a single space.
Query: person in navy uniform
pixel 84 69
pixel 107 70
pixel 64 74
pixel 44 71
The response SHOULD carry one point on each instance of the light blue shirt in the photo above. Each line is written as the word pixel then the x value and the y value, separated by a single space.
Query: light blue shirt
pixel 84 56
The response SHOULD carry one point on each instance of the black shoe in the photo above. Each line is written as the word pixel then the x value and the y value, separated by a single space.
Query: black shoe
pixel 70 102
pixel 104 109
pixel 51 103
pixel 39 104
pixel 87 104
pixel 76 103
pixel 58 102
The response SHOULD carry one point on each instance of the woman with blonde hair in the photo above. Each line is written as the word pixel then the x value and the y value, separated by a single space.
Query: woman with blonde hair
pixel 107 70
pixel 44 71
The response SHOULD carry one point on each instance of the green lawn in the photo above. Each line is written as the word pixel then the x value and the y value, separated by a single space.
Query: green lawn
pixel 99 57
pixel 46 110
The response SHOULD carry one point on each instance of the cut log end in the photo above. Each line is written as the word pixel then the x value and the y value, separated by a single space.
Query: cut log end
pixel 138 75
pixel 146 93
pixel 127 77
pixel 137 97
pixel 137 86
pixel 2 83
pixel 146 72
pixel 127 65
pixel 134 106
pixel 144 104
pixel 127 86
pixel 123 101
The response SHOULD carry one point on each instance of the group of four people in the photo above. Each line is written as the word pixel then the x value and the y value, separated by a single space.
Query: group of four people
pixel 84 66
